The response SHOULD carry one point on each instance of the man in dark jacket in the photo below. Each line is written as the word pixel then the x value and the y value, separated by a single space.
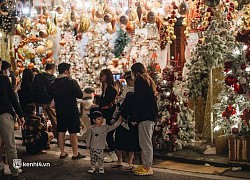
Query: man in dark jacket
pixel 65 90
pixel 8 101
pixel 42 82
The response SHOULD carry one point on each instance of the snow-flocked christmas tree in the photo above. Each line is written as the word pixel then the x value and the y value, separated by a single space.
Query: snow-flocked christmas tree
pixel 176 126
pixel 210 52
pixel 233 110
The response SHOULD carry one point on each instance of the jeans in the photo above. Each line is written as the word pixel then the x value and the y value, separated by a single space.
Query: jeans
pixel 8 137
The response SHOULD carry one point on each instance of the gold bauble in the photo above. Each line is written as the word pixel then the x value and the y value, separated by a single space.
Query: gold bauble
pixel 173 37
pixel 124 19
pixel 49 44
pixel 151 17
pixel 183 8
pixel 40 49
pixel 170 42
pixel 99 13
pixel 107 18
pixel 59 10
pixel 171 33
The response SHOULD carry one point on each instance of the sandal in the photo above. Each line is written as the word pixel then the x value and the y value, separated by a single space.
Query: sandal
pixel 42 152
pixel 79 156
pixel 116 165
pixel 130 167
pixel 64 156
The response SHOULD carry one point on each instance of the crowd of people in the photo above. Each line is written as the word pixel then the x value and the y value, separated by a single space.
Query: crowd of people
pixel 126 113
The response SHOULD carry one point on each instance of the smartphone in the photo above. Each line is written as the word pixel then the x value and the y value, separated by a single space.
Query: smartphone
pixel 40 110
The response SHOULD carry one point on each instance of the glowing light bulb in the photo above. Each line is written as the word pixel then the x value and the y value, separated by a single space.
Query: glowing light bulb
pixel 217 128
pixel 26 10
pixel 33 12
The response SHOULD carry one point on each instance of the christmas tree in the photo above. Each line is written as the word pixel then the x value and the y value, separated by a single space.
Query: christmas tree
pixel 233 110
pixel 121 42
pixel 69 53
pixel 175 127
pixel 210 52
pixel 98 54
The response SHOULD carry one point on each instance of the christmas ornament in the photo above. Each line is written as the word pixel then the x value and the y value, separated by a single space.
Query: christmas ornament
pixel 151 17
pixel 40 49
pixel 211 3
pixel 183 8
pixel 231 101
pixel 124 19
pixel 107 18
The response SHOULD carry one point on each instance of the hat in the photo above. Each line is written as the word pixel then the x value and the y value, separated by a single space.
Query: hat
pixel 95 115
pixel 89 90
pixel 127 75
pixel 5 65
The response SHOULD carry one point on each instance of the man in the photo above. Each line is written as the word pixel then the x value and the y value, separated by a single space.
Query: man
pixel 6 66
pixel 8 101
pixel 42 81
pixel 65 90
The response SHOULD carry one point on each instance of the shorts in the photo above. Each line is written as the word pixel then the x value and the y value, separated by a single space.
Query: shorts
pixel 69 123
pixel 39 144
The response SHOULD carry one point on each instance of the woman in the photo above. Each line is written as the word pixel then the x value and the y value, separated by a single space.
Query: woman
pixel 26 93
pixel 145 114
pixel 107 106
pixel 36 136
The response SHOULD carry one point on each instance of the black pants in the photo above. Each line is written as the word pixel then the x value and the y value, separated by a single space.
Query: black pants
pixel 110 140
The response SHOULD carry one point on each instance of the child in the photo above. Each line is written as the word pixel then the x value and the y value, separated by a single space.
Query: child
pixel 96 140
pixel 128 88
pixel 36 137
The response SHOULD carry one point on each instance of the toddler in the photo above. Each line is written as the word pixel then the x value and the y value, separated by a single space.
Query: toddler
pixel 96 139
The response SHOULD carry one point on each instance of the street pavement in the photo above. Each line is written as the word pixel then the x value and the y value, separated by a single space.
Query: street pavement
pixel 68 169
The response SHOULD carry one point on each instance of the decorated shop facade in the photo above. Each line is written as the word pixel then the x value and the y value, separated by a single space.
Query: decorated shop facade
pixel 197 52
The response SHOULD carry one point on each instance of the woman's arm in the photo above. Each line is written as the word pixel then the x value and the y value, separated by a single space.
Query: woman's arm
pixel 109 99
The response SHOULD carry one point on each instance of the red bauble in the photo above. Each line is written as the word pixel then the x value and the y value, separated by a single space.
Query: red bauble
pixel 236 88
pixel 243 66
pixel 230 110
pixel 228 64
pixel 235 130
pixel 231 80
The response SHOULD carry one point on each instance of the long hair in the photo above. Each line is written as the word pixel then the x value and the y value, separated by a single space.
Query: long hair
pixel 27 79
pixel 139 70
pixel 109 77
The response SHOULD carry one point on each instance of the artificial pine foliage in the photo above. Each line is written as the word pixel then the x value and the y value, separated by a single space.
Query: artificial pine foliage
pixel 121 42
pixel 210 52
pixel 175 127
pixel 233 110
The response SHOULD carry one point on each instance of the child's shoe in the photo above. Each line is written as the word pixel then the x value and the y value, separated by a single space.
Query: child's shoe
pixel 144 172
pixel 91 170
pixel 101 171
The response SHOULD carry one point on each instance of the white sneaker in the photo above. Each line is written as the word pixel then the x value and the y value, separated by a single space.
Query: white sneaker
pixel 91 170
pixel 101 171
pixel 108 159
pixel 114 157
